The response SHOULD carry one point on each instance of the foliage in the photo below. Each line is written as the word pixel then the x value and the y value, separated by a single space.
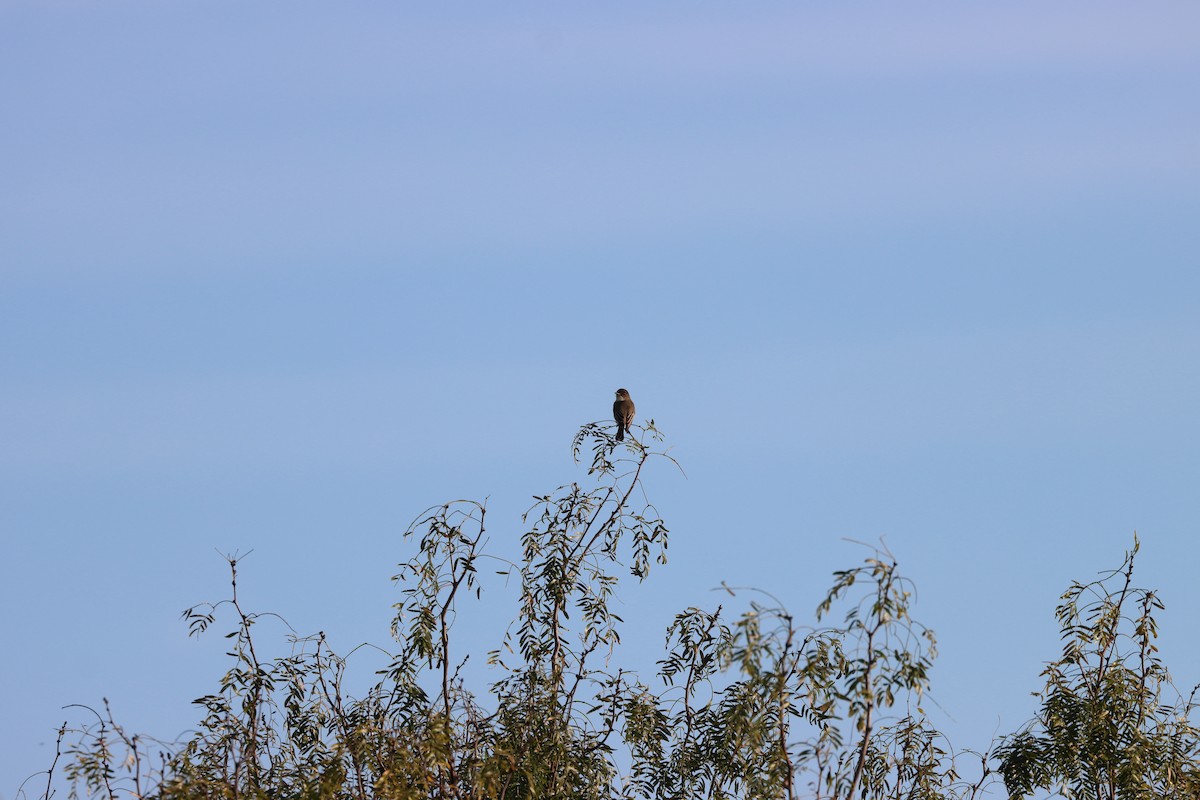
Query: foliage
pixel 745 704
pixel 1111 724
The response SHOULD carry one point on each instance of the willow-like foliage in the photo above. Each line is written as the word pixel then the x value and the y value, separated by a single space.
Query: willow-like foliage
pixel 748 700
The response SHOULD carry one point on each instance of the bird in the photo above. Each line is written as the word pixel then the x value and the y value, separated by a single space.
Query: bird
pixel 623 409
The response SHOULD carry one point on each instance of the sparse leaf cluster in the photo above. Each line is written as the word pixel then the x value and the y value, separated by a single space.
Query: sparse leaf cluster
pixel 1111 724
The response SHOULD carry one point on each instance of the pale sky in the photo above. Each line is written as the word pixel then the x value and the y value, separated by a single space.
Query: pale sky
pixel 279 276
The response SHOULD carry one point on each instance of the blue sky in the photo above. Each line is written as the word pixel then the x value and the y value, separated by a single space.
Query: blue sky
pixel 278 276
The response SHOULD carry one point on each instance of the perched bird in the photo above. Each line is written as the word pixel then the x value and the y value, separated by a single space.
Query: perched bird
pixel 623 413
